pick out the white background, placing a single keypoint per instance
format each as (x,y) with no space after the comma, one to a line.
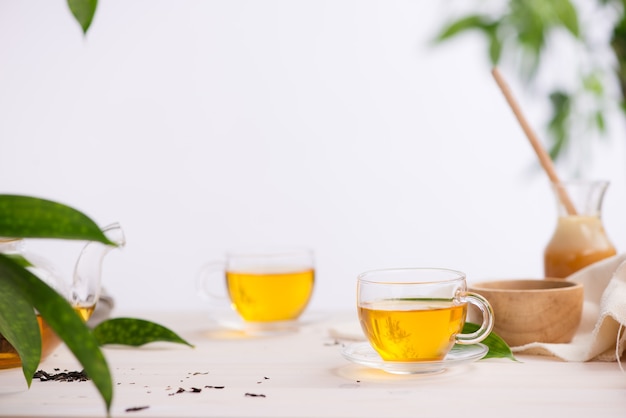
(205,125)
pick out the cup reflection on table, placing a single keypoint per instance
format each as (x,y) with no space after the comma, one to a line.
(264,285)
(417,314)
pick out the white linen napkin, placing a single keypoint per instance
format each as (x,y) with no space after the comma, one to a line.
(599,336)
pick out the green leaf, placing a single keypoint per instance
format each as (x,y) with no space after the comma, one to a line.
(593,84)
(497,347)
(599,121)
(567,15)
(83,11)
(528,23)
(473,22)
(60,316)
(18,322)
(559,142)
(31,217)
(495,49)
(134,332)
(558,124)
(19,259)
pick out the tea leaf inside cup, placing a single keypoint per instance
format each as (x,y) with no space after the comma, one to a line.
(497,347)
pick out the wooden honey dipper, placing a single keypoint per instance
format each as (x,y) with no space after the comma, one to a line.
(544,158)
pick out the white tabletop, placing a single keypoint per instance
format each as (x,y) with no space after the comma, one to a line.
(303,374)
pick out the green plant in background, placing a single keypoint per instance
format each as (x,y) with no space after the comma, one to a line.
(522,32)
(23,294)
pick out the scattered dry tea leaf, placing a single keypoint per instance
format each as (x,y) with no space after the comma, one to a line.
(136,408)
(192,390)
(66,376)
(180,390)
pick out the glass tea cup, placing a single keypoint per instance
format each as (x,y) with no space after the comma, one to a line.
(262,286)
(417,314)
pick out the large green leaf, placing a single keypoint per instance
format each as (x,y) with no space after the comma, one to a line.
(31,217)
(19,259)
(83,11)
(134,332)
(18,322)
(60,316)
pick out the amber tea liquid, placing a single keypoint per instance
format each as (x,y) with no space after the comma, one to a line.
(263,297)
(412,330)
(85,312)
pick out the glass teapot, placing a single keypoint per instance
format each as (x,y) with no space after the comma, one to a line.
(83,292)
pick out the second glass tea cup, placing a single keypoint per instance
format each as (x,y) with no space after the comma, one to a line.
(261,285)
(418,314)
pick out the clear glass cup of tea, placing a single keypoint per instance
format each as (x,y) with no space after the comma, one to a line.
(265,287)
(418,314)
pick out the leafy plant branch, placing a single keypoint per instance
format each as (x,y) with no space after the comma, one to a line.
(23,295)
(522,33)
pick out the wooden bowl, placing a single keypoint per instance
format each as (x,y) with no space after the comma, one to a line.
(534,310)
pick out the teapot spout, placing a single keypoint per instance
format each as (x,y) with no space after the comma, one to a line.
(85,290)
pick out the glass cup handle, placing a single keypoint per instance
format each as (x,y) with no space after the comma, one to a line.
(487,325)
(207,283)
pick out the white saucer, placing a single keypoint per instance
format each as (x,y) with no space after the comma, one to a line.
(231,321)
(365,355)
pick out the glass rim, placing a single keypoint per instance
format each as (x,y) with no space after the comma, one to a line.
(458,275)
(269,252)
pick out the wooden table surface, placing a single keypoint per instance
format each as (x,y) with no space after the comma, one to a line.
(303,374)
